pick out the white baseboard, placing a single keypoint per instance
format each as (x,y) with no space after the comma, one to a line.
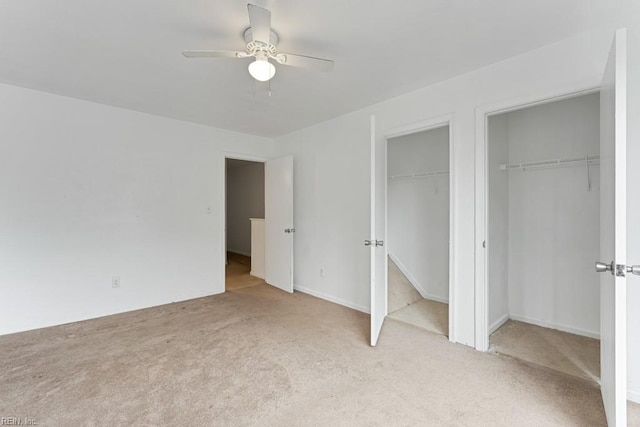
(106,313)
(254,274)
(233,251)
(496,325)
(416,284)
(434,298)
(563,328)
(633,396)
(330,298)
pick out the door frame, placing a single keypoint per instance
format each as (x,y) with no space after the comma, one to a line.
(481,197)
(409,129)
(223,202)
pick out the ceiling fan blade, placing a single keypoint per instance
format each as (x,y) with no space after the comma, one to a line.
(260,21)
(305,61)
(214,54)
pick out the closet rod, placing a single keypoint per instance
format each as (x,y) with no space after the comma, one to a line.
(566,162)
(417,175)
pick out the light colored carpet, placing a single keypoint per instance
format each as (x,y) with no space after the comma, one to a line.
(401,292)
(407,305)
(561,351)
(259,356)
(237,272)
(430,315)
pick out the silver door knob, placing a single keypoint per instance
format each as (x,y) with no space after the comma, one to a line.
(379,243)
(289,230)
(633,269)
(601,267)
(368,242)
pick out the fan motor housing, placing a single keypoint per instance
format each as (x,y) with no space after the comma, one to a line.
(255,46)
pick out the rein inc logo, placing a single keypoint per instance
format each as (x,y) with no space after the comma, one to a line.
(17,421)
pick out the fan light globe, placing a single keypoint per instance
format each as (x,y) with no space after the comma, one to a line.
(262,70)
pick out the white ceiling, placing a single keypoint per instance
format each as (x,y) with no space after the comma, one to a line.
(126,53)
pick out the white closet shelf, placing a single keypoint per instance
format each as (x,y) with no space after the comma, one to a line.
(417,175)
(553,163)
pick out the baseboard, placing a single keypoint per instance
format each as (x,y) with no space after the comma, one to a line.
(254,274)
(633,396)
(233,251)
(415,283)
(556,326)
(434,298)
(84,318)
(496,325)
(330,298)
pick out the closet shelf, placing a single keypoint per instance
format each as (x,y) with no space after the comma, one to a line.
(553,163)
(417,175)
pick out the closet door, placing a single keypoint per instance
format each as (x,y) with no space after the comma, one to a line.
(378,233)
(613,230)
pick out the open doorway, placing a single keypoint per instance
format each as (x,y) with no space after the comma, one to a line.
(418,228)
(245,224)
(543,222)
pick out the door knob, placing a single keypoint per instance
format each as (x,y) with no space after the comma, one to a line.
(368,242)
(601,267)
(633,269)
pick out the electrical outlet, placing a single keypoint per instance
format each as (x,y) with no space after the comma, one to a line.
(322,272)
(209,210)
(115,282)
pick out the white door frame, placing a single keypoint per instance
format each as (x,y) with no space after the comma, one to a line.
(481,197)
(223,202)
(416,127)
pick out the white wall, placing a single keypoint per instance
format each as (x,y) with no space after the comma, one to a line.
(332,163)
(418,210)
(332,158)
(331,209)
(553,219)
(90,192)
(498,222)
(245,199)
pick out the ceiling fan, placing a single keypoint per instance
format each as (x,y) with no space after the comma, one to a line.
(262,43)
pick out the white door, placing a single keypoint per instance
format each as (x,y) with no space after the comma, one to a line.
(378,233)
(278,223)
(613,229)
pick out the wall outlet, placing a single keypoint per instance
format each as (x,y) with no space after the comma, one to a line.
(322,272)
(209,210)
(115,282)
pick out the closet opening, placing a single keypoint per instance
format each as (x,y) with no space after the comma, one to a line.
(543,234)
(244,223)
(418,228)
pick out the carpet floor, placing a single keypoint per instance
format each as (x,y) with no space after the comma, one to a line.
(561,351)
(430,315)
(259,356)
(237,272)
